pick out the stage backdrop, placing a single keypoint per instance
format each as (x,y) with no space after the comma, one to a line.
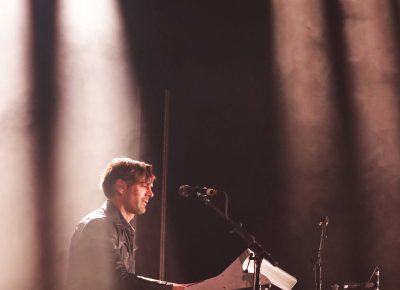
(290,107)
(293,109)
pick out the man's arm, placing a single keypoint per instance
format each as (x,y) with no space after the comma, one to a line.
(97,261)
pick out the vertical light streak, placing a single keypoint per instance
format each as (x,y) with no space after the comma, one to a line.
(17,213)
(374,61)
(98,117)
(303,67)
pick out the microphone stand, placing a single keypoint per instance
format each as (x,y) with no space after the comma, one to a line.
(236,227)
(318,260)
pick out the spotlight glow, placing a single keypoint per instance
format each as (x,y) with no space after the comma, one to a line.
(375,68)
(17,214)
(303,65)
(98,118)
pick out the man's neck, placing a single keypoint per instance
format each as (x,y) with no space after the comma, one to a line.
(125,214)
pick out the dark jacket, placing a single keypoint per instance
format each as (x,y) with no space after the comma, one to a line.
(102,254)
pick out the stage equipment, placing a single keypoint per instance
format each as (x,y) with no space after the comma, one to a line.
(318,259)
(372,283)
(259,259)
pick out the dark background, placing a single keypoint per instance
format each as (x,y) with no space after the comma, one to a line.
(224,127)
(225,132)
(228,129)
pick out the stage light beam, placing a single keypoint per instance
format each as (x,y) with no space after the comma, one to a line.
(17,212)
(99,114)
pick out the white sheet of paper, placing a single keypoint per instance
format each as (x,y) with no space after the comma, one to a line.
(275,275)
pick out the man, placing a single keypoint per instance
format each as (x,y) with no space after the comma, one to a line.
(102,247)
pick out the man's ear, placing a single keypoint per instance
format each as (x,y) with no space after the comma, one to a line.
(120,186)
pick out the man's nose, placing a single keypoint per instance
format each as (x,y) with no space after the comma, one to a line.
(150,193)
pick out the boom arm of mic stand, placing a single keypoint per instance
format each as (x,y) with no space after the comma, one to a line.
(236,227)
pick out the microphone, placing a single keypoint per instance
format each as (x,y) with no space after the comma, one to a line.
(324,221)
(187,190)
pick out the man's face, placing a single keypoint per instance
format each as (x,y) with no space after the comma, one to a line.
(138,195)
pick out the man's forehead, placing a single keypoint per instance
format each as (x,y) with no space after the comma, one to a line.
(146,180)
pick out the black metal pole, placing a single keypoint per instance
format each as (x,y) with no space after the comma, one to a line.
(318,260)
(235,227)
(256,279)
(163,213)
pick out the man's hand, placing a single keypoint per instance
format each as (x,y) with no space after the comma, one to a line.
(179,286)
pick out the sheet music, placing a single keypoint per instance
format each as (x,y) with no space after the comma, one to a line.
(235,277)
(276,275)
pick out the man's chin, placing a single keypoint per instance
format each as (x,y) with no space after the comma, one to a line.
(141,211)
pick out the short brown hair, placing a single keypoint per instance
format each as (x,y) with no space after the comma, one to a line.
(126,169)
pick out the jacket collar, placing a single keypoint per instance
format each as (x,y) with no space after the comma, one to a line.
(116,217)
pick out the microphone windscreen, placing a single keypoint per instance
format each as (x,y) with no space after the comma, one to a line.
(184,190)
